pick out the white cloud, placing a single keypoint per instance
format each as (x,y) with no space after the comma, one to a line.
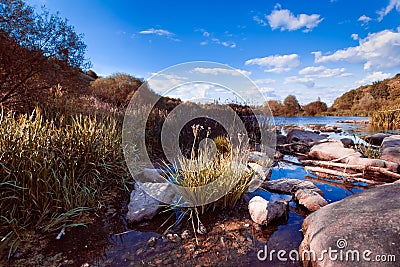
(323,72)
(276,63)
(209,39)
(216,71)
(364,19)
(354,36)
(264,81)
(308,82)
(373,77)
(160,32)
(377,51)
(284,19)
(260,21)
(224,43)
(384,11)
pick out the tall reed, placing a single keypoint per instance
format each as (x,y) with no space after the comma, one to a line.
(52,170)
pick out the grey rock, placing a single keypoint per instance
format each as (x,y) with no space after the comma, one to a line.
(263,212)
(332,150)
(303,136)
(281,139)
(376,139)
(143,206)
(310,199)
(366,221)
(347,142)
(290,186)
(390,149)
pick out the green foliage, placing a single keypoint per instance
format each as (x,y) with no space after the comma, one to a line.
(51,170)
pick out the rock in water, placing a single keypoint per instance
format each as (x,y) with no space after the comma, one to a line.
(310,199)
(303,136)
(142,206)
(332,150)
(390,149)
(347,142)
(263,212)
(289,186)
(369,221)
(376,139)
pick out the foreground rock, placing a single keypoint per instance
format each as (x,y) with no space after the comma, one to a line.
(289,186)
(310,199)
(334,150)
(390,149)
(367,221)
(376,139)
(142,206)
(264,212)
(305,193)
(303,136)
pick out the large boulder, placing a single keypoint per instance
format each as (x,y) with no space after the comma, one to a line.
(264,212)
(369,221)
(142,205)
(390,149)
(289,186)
(376,139)
(309,199)
(303,136)
(335,150)
(332,150)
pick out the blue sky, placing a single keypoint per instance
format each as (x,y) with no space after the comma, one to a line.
(309,48)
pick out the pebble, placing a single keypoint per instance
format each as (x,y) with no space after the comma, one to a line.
(152,241)
(202,229)
(186,234)
(173,237)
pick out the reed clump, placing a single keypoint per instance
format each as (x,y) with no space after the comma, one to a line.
(387,119)
(52,170)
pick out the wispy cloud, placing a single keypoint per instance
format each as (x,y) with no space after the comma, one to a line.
(373,77)
(209,39)
(364,20)
(307,82)
(160,32)
(216,71)
(276,63)
(393,4)
(323,72)
(377,51)
(260,21)
(284,19)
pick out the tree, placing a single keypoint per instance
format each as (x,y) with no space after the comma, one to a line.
(38,52)
(315,107)
(116,89)
(276,107)
(291,106)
